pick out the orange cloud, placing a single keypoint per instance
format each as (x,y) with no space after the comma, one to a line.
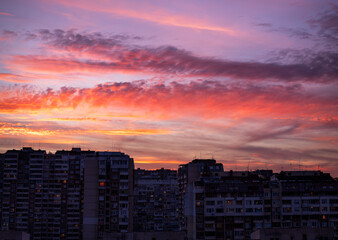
(132,132)
(70,119)
(152,160)
(204,99)
(56,141)
(20,129)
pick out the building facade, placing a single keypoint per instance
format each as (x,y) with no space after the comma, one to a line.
(115,192)
(23,202)
(188,174)
(232,205)
(50,196)
(156,201)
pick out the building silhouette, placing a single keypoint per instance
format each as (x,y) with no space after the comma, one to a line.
(67,195)
(99,195)
(221,204)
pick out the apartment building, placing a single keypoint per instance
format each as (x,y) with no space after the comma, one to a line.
(66,187)
(156,201)
(309,199)
(188,174)
(2,158)
(22,202)
(49,196)
(114,201)
(234,204)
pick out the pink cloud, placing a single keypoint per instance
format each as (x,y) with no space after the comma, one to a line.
(150,14)
(6,14)
(8,77)
(96,53)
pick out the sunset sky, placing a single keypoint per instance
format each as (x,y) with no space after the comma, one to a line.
(253,84)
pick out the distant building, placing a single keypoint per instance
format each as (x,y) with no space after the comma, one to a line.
(156,201)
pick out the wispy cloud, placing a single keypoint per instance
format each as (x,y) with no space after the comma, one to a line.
(150,14)
(21,129)
(8,77)
(6,14)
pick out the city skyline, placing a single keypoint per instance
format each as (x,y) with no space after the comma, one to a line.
(100,195)
(253,85)
(248,168)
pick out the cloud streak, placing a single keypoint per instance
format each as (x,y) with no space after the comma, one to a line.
(86,50)
(21,129)
(8,77)
(6,14)
(154,15)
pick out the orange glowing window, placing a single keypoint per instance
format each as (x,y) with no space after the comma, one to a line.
(101,184)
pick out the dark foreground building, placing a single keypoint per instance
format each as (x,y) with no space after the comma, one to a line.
(67,195)
(98,195)
(155,201)
(232,205)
